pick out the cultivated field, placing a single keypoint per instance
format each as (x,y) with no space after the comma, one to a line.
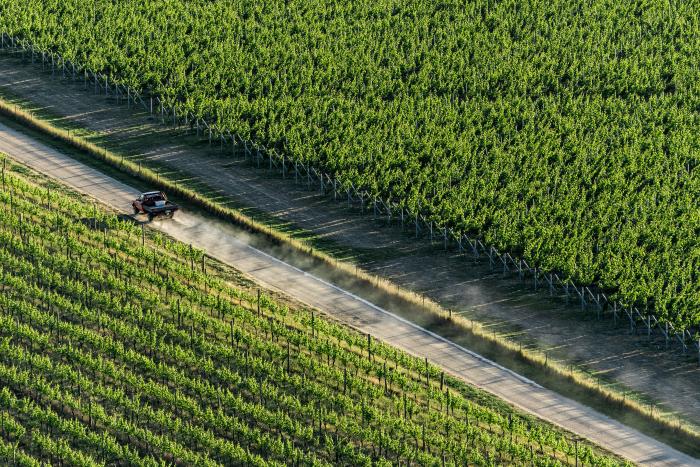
(619,359)
(562,132)
(124,349)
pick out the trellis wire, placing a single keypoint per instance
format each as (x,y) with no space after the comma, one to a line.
(173,114)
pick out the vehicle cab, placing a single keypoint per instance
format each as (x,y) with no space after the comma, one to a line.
(149,199)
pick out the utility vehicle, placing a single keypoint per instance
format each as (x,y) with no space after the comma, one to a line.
(154,204)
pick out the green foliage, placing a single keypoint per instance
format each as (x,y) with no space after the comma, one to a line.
(116,353)
(561,131)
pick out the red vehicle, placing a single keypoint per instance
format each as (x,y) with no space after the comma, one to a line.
(154,203)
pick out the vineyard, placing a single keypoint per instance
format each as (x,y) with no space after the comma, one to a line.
(562,132)
(122,347)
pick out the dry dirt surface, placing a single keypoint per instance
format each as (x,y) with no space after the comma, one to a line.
(569,334)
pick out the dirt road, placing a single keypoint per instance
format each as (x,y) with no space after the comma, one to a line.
(223,242)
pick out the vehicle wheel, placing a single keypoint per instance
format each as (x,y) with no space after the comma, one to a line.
(136,211)
(150,217)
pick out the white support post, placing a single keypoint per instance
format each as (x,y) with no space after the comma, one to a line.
(535,278)
(631,314)
(683,342)
(520,269)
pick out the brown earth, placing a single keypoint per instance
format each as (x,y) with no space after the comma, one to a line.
(630,361)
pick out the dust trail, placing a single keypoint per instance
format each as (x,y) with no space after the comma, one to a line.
(217,238)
